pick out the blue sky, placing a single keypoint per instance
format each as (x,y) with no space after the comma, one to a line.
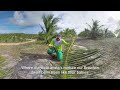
(28,21)
(6,25)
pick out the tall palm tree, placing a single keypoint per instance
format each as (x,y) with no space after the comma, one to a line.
(49,27)
(95,29)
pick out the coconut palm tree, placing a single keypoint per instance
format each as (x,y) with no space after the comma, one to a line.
(49,27)
(95,29)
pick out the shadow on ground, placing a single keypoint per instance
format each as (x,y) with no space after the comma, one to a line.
(34,56)
(32,60)
(37,56)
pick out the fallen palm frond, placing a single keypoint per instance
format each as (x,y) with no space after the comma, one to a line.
(76,57)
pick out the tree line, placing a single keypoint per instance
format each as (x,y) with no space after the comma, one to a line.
(50,29)
(94,31)
(16,37)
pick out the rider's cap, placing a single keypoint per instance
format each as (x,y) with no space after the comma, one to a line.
(58,35)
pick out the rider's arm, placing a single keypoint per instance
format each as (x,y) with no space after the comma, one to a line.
(51,43)
(65,43)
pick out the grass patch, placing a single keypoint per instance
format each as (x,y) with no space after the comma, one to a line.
(2,63)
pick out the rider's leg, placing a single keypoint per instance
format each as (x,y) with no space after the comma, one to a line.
(59,55)
(50,52)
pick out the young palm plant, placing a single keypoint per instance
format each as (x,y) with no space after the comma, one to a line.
(76,57)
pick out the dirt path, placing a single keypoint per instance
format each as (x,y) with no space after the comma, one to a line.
(31,40)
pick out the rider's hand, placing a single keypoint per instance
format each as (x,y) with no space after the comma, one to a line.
(50,47)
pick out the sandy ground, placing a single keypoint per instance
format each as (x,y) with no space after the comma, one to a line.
(31,40)
(109,63)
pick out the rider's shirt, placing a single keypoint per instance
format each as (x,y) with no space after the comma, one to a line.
(58,44)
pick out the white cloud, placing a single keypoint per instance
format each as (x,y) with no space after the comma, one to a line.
(27,18)
(78,19)
(70,19)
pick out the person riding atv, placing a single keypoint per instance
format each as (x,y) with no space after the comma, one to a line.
(56,47)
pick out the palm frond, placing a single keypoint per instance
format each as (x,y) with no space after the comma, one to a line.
(55,20)
(89,26)
(50,26)
(50,17)
(77,58)
(42,28)
(100,26)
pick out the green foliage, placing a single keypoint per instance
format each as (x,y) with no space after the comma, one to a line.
(76,57)
(118,32)
(49,29)
(40,36)
(94,31)
(85,33)
(2,63)
(109,34)
(16,37)
(68,32)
